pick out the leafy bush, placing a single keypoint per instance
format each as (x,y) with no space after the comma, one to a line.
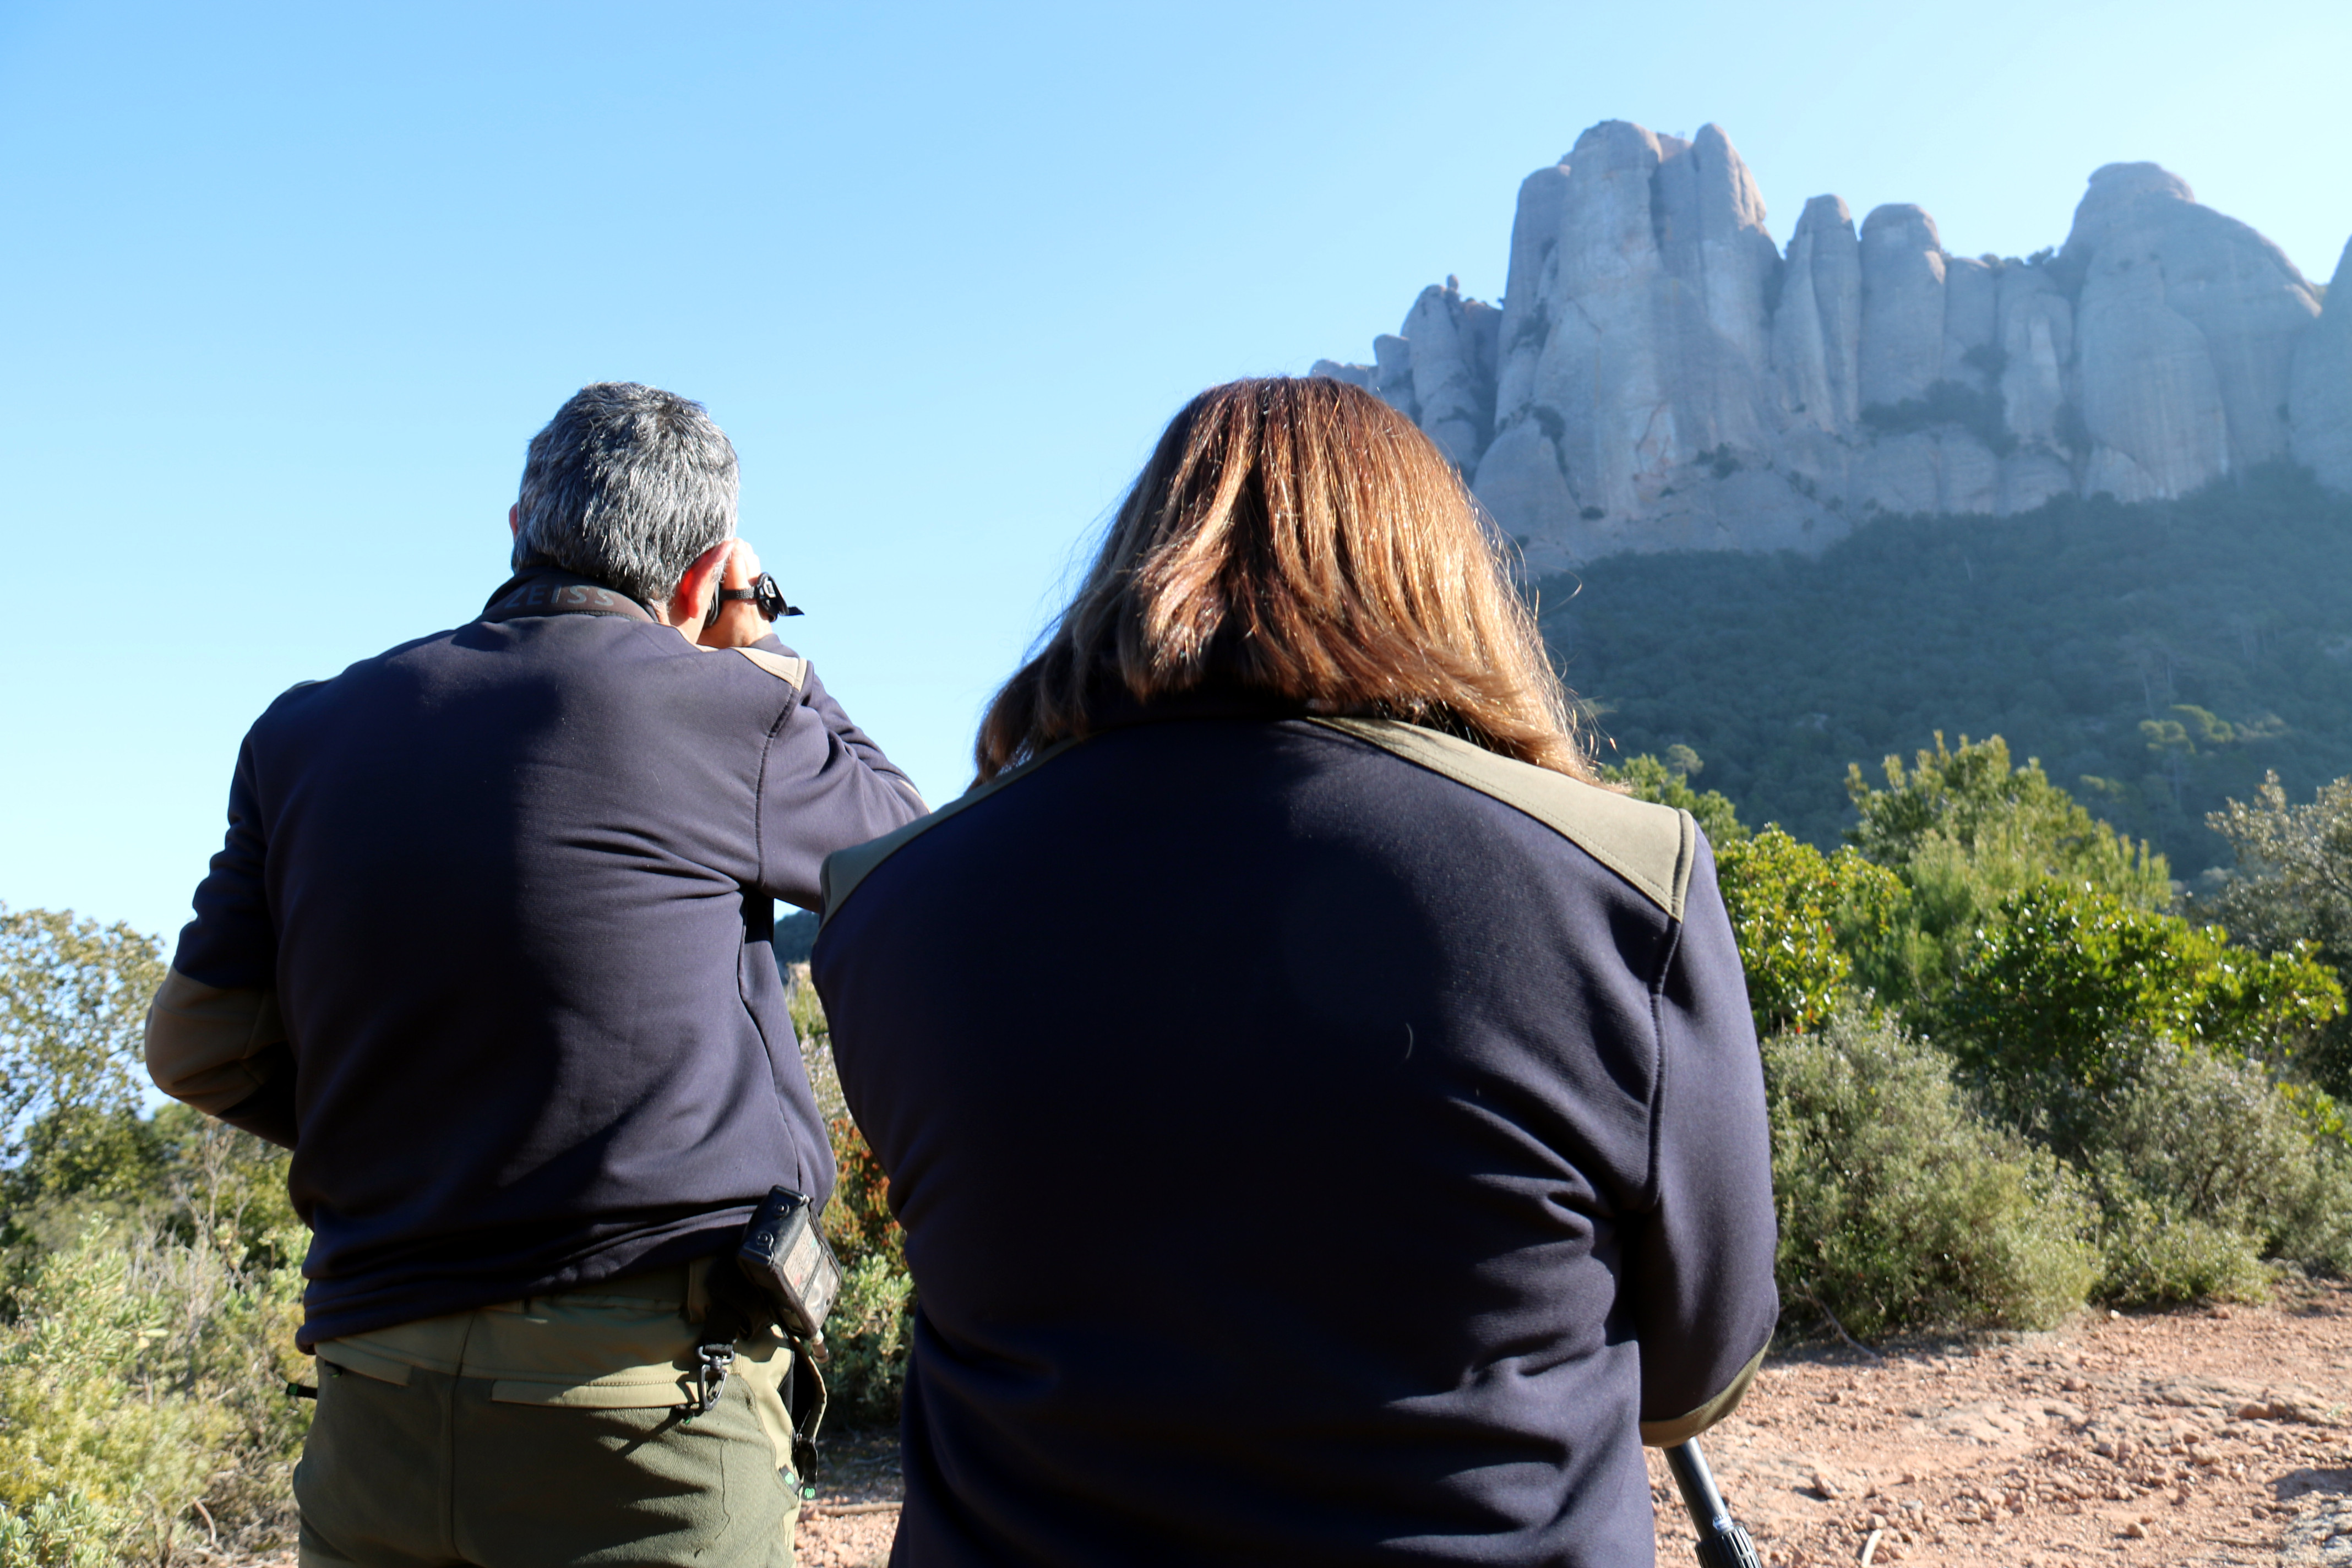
(1899,1207)
(1964,830)
(148,1294)
(871,1331)
(60,1532)
(2154,1256)
(871,1326)
(2204,1167)
(73,1009)
(2292,884)
(1798,916)
(2065,976)
(73,1424)
(142,1378)
(2011,821)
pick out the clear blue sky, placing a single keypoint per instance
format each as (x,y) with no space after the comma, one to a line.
(284,290)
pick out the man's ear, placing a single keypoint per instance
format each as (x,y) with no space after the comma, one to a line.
(514,519)
(699,589)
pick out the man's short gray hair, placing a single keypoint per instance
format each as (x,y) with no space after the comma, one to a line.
(628,484)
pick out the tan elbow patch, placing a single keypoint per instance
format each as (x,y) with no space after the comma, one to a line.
(205,1043)
(1682,1428)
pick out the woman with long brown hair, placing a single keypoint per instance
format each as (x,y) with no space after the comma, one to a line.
(1327,1126)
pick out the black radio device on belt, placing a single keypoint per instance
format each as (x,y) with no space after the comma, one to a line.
(784,1254)
(791,1271)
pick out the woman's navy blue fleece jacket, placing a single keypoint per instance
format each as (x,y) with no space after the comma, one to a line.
(1319,1142)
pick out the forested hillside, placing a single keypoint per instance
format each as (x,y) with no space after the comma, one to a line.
(2156,657)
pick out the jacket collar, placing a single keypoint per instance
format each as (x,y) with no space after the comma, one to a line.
(552,590)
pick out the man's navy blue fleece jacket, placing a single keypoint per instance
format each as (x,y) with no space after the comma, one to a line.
(487,946)
(1319,1142)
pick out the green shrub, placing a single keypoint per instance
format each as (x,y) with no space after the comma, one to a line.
(141,1373)
(2153,1256)
(1900,1207)
(2293,885)
(2204,1166)
(871,1326)
(63,1531)
(2064,977)
(148,1293)
(1964,830)
(870,1334)
(1798,916)
(92,1421)
(73,1009)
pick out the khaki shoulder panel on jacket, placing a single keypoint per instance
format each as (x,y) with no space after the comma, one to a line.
(792,672)
(844,869)
(1651,846)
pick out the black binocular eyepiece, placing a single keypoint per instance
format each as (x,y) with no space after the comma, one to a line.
(764,595)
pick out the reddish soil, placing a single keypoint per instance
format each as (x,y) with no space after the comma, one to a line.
(855,1511)
(2218,1435)
(2195,1437)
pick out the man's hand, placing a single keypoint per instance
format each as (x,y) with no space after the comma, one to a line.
(730,564)
(739,623)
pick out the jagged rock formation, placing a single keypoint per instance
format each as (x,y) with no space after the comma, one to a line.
(1661,375)
(2321,395)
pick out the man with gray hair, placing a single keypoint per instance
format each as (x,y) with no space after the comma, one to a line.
(488,947)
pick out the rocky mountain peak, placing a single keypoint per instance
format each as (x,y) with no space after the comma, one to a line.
(1663,375)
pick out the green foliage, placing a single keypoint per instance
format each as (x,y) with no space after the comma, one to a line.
(870,1331)
(1899,1207)
(2205,1166)
(1963,830)
(2061,629)
(2151,1255)
(2223,1140)
(2124,1066)
(1798,916)
(139,1376)
(1976,802)
(2293,885)
(871,1326)
(73,1009)
(73,1423)
(62,1530)
(2066,973)
(148,1293)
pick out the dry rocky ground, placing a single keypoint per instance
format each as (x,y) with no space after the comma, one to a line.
(2215,1435)
(2204,1436)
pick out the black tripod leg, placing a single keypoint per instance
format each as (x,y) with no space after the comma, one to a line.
(1721,1543)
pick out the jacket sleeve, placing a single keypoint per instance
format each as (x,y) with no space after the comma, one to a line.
(824,785)
(1698,1266)
(213,1035)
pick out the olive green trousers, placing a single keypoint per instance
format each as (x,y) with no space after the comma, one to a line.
(542,1433)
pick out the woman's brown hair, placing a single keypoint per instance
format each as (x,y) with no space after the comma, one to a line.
(1296,538)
